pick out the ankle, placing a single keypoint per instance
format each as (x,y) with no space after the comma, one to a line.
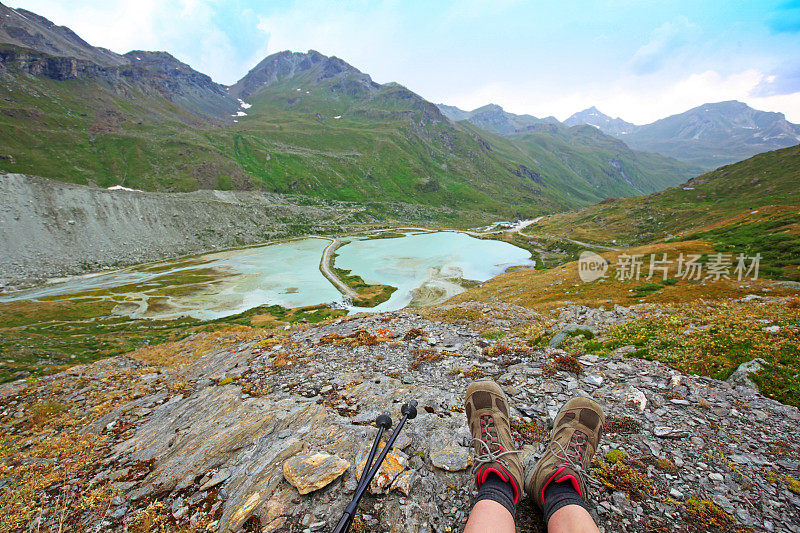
(558,494)
(495,488)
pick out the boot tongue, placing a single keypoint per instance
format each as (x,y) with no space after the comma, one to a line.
(576,449)
(489,434)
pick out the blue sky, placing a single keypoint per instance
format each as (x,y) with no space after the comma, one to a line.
(641,60)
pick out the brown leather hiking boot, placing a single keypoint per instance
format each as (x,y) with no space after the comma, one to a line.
(495,451)
(573,442)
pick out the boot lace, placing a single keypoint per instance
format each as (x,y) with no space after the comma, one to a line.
(573,454)
(491,450)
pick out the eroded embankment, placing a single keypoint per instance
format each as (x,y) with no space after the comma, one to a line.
(49,228)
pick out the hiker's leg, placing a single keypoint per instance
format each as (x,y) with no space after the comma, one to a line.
(489,516)
(571,519)
(565,510)
(498,470)
(556,482)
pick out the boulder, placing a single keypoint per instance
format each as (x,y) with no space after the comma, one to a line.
(741,376)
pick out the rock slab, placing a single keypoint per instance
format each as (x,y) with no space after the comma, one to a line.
(311,472)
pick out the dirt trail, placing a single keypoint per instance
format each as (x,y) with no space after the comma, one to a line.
(325,268)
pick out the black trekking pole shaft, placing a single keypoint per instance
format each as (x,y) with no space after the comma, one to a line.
(384,422)
(366,469)
(371,457)
(350,510)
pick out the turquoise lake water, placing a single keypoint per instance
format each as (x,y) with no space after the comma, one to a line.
(427,268)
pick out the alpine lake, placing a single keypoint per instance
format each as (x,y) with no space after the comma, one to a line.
(86,317)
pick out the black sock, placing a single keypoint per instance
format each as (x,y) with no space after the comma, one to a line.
(495,489)
(557,495)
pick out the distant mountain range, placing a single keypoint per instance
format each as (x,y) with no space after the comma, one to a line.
(707,136)
(494,119)
(297,122)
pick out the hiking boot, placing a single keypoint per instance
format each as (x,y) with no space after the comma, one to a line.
(486,407)
(573,442)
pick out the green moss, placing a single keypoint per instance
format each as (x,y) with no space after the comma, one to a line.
(616,456)
(705,515)
(587,333)
(623,477)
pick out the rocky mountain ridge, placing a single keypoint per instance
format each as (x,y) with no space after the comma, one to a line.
(707,136)
(27,29)
(312,65)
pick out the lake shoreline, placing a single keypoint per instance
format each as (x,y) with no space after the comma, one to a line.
(381,269)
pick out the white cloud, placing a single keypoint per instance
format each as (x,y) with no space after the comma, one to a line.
(664,43)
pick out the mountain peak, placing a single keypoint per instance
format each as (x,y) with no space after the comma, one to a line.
(594,117)
(493,108)
(312,66)
(716,133)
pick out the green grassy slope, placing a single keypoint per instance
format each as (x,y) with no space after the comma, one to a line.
(770,178)
(386,145)
(81,131)
(604,162)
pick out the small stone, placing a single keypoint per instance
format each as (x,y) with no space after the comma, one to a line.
(312,472)
(216,479)
(625,350)
(403,482)
(772,330)
(550,387)
(741,376)
(665,432)
(593,380)
(675,493)
(714,476)
(393,465)
(636,398)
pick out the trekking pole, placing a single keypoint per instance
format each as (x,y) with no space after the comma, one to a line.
(409,411)
(383,422)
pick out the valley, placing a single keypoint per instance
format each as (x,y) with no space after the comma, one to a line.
(209,291)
